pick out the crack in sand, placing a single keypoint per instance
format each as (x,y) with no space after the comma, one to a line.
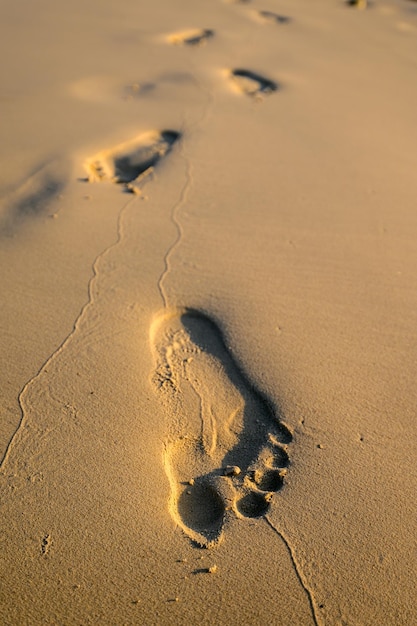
(177,224)
(183,196)
(21,397)
(300,576)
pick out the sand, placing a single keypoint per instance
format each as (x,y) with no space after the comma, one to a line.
(208,324)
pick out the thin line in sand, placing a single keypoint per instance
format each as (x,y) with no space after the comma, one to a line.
(174,219)
(300,576)
(184,192)
(61,347)
(152,155)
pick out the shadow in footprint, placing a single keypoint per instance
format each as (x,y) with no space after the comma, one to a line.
(253,505)
(259,420)
(33,197)
(280,458)
(253,84)
(269,480)
(234,442)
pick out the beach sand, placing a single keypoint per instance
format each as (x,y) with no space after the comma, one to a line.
(209,312)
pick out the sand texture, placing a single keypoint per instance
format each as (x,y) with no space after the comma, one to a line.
(208,249)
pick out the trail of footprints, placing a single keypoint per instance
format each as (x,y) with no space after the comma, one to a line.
(130,162)
(226,452)
(244,80)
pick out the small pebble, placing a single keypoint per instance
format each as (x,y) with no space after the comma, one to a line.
(212,569)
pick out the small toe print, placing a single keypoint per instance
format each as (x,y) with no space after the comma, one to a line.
(279,457)
(268,480)
(253,504)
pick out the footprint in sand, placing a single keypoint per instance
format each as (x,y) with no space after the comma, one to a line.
(359,4)
(226,450)
(131,161)
(191,37)
(270,16)
(252,84)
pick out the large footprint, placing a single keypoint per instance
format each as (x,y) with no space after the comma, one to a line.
(225,453)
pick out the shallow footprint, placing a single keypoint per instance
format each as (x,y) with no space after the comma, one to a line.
(191,37)
(252,84)
(359,4)
(225,448)
(270,16)
(129,161)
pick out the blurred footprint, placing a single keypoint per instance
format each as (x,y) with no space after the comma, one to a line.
(358,4)
(275,18)
(252,84)
(191,37)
